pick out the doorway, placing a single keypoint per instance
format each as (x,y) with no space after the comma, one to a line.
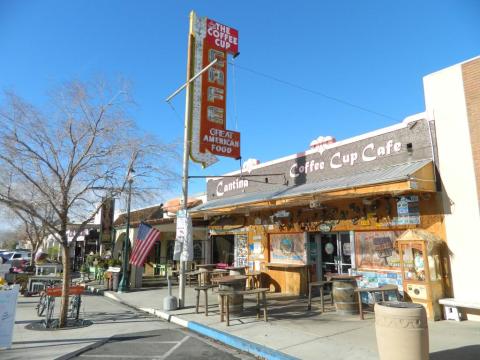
(223,249)
(330,252)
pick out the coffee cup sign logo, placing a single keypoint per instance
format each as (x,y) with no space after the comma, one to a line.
(222,37)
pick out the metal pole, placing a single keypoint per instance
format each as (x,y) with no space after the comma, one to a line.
(123,285)
(192,79)
(186,151)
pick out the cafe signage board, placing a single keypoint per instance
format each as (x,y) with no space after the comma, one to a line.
(209,136)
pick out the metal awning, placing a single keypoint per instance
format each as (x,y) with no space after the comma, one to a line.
(413,176)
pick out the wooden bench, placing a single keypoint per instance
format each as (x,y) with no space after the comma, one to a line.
(321,285)
(205,289)
(453,308)
(381,289)
(225,302)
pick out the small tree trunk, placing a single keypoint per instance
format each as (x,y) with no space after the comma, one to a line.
(65,286)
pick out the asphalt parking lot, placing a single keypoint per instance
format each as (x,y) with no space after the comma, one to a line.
(157,344)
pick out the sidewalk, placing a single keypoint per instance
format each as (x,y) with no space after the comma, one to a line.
(293,331)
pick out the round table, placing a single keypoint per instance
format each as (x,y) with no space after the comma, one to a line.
(233,283)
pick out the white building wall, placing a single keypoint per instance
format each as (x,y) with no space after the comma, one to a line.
(445,102)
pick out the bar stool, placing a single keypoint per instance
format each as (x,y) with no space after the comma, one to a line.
(321,285)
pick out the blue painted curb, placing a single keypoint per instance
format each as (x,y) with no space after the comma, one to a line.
(239,343)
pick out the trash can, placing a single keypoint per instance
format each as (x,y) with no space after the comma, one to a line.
(402,331)
(108,276)
(115,278)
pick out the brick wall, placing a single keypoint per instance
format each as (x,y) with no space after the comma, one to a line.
(471,83)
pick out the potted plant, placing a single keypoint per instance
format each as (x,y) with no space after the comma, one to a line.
(84,271)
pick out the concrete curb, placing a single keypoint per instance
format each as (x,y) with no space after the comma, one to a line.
(236,342)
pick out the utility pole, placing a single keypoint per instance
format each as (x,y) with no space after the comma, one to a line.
(191,76)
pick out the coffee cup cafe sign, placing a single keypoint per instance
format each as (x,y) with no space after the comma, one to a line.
(383,150)
(210,137)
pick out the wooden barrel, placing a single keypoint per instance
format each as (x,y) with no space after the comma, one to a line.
(344,296)
(236,301)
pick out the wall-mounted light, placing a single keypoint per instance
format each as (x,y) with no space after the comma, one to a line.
(410,148)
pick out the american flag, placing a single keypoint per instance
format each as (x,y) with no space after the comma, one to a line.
(146,238)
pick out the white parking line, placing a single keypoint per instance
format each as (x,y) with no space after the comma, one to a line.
(169,352)
(175,347)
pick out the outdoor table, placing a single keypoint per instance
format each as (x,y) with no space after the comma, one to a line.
(236,270)
(380,289)
(253,280)
(233,283)
(203,273)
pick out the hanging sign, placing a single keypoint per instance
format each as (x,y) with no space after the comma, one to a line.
(209,134)
(222,37)
(183,250)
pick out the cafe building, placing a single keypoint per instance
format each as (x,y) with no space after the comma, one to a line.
(340,207)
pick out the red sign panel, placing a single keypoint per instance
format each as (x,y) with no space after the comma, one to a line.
(222,37)
(214,137)
(222,142)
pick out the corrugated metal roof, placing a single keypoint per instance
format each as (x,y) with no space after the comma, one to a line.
(385,175)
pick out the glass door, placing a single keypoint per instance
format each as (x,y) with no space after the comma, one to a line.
(314,257)
(344,252)
(336,252)
(329,249)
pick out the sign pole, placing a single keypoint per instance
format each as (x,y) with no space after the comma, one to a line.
(186,152)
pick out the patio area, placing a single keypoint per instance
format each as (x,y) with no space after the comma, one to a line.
(305,334)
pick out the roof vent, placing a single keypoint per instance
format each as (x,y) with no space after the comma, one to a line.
(322,142)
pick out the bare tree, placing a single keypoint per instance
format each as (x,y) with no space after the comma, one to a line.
(33,230)
(72,155)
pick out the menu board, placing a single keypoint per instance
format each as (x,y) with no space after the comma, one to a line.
(288,248)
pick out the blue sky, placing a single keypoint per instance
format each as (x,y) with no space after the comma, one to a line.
(369,53)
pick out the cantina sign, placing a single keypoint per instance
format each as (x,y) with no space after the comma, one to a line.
(382,150)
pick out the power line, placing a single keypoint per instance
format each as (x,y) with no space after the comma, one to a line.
(315,92)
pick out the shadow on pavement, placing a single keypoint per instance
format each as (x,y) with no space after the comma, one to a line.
(471,352)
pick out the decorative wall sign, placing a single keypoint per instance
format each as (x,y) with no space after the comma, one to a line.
(241,250)
(329,248)
(408,212)
(374,250)
(324,227)
(288,248)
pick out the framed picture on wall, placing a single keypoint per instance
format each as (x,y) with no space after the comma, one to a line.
(375,250)
(288,248)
